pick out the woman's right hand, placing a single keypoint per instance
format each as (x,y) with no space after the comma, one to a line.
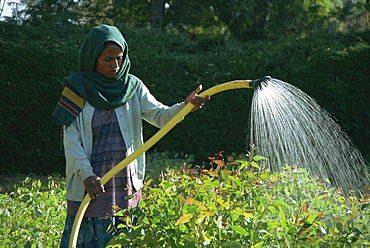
(93,186)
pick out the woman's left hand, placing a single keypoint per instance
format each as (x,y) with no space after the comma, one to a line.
(197,100)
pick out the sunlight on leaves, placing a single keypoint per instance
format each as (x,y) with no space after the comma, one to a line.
(189,200)
(265,175)
(255,165)
(258,158)
(185,218)
(258,245)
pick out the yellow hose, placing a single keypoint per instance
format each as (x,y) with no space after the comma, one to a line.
(237,84)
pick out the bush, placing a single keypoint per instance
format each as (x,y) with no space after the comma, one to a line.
(33,213)
(331,69)
(31,83)
(234,203)
(158,162)
(236,206)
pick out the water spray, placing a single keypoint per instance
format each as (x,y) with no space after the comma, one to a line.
(290,128)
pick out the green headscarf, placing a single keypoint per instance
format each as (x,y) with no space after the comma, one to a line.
(88,85)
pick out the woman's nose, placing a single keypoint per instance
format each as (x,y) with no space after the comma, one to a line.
(115,63)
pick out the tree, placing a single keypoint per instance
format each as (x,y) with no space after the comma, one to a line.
(157,13)
(52,12)
(239,19)
(187,15)
(245,19)
(2,5)
(256,19)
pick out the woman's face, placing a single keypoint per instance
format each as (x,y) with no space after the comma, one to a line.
(110,60)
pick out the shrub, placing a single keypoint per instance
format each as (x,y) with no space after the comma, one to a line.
(233,203)
(33,214)
(35,59)
(245,207)
(158,162)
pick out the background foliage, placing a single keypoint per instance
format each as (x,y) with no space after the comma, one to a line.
(238,19)
(333,69)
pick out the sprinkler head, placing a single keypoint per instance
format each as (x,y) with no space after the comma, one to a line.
(255,84)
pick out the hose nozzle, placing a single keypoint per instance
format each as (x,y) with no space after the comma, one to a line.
(255,84)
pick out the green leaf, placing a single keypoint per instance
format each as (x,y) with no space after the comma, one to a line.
(121,226)
(156,190)
(165,184)
(248,215)
(185,218)
(119,214)
(282,218)
(210,205)
(258,245)
(258,158)
(129,197)
(278,203)
(238,211)
(230,244)
(265,175)
(254,164)
(34,223)
(234,217)
(239,230)
(142,203)
(212,183)
(189,238)
(272,225)
(36,200)
(243,163)
(312,218)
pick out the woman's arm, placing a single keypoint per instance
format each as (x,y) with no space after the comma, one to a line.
(159,114)
(77,161)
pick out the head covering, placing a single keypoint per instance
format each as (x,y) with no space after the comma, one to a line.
(88,85)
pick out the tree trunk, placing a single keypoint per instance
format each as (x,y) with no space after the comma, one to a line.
(157,14)
(117,2)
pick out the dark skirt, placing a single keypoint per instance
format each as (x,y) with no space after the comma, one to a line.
(94,232)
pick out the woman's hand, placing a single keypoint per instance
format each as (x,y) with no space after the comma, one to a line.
(197,100)
(93,186)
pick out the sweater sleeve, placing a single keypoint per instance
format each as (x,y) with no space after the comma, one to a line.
(154,111)
(76,157)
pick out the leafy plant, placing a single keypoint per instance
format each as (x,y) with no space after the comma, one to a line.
(231,203)
(245,206)
(158,162)
(33,214)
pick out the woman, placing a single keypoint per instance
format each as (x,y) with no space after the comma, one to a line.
(101,110)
